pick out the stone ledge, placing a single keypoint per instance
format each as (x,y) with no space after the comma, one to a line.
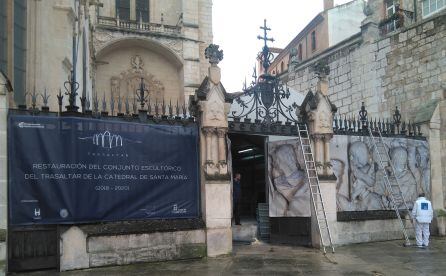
(142,227)
(366,215)
(122,257)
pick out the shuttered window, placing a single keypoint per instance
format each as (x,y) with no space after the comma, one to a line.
(142,10)
(123,9)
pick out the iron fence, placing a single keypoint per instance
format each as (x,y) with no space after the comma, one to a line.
(139,108)
(388,127)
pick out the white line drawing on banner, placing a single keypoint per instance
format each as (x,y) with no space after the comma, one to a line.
(28,125)
(108,140)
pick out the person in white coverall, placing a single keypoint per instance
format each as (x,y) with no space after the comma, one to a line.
(422,214)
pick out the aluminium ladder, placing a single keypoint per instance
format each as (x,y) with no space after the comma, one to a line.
(313,181)
(397,201)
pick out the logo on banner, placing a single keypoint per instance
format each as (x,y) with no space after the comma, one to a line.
(176,210)
(37,213)
(63,213)
(108,140)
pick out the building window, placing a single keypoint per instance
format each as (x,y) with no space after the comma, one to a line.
(19,50)
(299,52)
(3,39)
(133,10)
(142,10)
(433,6)
(390,11)
(282,67)
(313,40)
(123,9)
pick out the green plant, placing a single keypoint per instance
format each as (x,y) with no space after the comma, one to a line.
(440,212)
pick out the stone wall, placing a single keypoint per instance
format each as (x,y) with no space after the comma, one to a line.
(352,231)
(79,250)
(405,68)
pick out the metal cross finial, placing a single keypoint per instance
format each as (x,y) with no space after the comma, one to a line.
(265,34)
(266,56)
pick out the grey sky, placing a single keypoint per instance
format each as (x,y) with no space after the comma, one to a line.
(236,26)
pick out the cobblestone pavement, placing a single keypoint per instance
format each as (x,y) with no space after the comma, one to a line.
(381,258)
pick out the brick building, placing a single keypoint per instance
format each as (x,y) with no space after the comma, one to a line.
(326,29)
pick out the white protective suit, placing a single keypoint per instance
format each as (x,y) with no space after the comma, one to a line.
(422,214)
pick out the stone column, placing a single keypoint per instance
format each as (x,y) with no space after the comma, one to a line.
(4,105)
(215,182)
(327,161)
(320,115)
(222,152)
(318,152)
(208,132)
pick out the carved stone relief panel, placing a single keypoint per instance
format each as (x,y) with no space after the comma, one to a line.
(360,181)
(289,194)
(322,117)
(214,109)
(127,82)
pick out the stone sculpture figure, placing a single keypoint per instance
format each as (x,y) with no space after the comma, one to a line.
(288,180)
(363,178)
(343,202)
(398,156)
(422,172)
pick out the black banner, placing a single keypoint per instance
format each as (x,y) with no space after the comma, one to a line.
(71,170)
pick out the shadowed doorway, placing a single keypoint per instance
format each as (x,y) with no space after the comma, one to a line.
(248,158)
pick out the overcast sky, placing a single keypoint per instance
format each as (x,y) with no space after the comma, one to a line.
(236,26)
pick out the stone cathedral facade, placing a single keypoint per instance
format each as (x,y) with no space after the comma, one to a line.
(117,44)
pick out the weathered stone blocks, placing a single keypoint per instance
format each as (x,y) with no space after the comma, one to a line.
(80,251)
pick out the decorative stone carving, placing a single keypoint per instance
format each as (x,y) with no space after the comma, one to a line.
(213,108)
(318,111)
(213,54)
(214,113)
(126,83)
(137,63)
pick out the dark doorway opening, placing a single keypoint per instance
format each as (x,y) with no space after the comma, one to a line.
(248,158)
